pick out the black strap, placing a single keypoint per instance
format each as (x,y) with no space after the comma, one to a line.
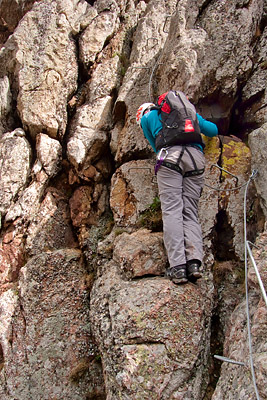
(176,168)
(192,158)
(173,166)
(180,156)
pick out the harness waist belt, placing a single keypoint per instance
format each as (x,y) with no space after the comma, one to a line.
(176,167)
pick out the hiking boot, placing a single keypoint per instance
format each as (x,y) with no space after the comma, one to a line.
(177,274)
(193,272)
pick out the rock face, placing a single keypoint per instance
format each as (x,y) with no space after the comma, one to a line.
(151,336)
(85,309)
(257,140)
(129,184)
(236,347)
(44,333)
(15,153)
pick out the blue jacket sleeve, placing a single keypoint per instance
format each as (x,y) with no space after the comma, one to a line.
(206,127)
(151,125)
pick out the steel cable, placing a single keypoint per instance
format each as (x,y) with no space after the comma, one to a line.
(246,284)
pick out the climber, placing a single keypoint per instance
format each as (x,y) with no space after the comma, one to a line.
(180,177)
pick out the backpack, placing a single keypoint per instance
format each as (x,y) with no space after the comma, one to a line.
(179,121)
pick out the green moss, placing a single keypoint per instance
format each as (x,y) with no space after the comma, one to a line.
(109,225)
(98,357)
(124,60)
(151,218)
(119,231)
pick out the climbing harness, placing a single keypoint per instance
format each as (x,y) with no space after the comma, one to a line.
(176,166)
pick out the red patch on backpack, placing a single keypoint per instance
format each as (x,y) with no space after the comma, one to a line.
(161,101)
(188,126)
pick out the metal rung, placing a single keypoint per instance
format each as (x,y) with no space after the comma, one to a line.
(140,67)
(221,358)
(147,168)
(154,39)
(139,168)
(224,170)
(165,23)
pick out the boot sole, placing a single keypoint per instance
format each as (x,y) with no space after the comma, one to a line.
(195,275)
(179,281)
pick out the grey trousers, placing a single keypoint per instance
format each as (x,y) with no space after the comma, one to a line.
(179,198)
